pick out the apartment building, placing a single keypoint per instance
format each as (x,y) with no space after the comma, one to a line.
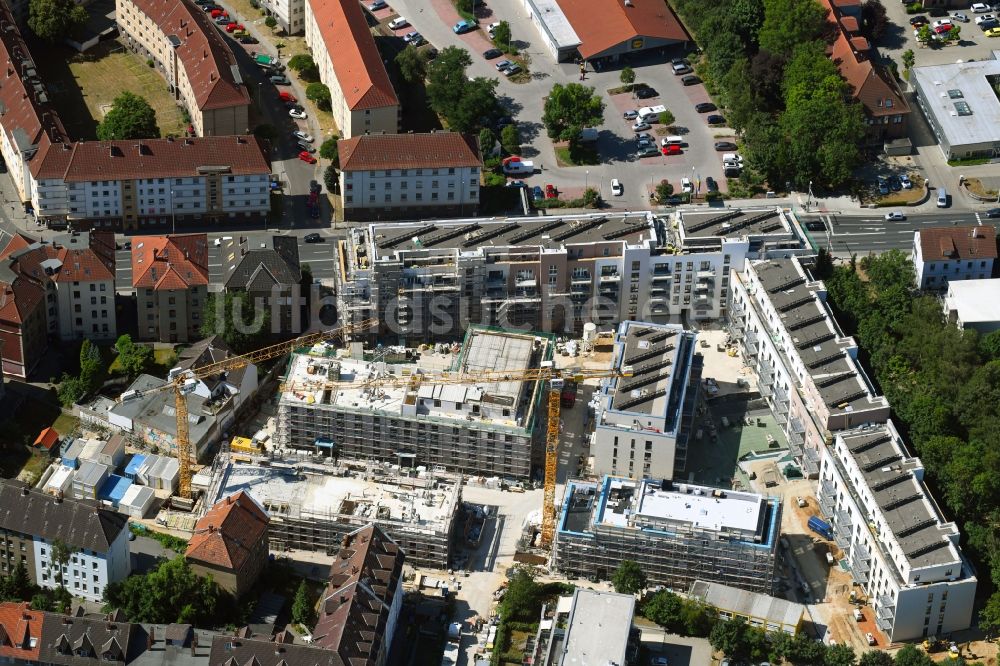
(678,533)
(270,277)
(31,521)
(359,610)
(643,421)
(974,305)
(290,14)
(154,182)
(901,550)
(170,279)
(494,429)
(427,281)
(314,504)
(806,368)
(589,627)
(230,543)
(190,52)
(363,100)
(384,176)
(949,254)
(23,321)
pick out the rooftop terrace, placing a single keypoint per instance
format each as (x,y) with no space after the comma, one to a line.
(732,223)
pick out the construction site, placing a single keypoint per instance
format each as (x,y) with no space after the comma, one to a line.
(677,533)
(341,404)
(313,503)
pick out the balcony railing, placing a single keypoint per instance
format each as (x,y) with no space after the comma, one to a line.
(883,624)
(844,521)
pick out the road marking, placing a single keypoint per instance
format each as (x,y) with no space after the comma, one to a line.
(979,220)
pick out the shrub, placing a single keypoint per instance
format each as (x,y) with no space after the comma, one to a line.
(149,62)
(666,118)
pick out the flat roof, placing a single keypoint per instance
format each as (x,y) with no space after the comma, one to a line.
(555,23)
(732,222)
(975,300)
(298,490)
(392,239)
(771,610)
(114,488)
(901,497)
(653,352)
(598,628)
(961,99)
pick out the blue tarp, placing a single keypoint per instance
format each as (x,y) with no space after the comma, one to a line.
(132,468)
(114,488)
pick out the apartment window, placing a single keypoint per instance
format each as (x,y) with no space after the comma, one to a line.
(451,196)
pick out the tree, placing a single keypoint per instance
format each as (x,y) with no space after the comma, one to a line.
(840,655)
(134,359)
(319,94)
(487,141)
(729,636)
(873,19)
(908,58)
(330,179)
(875,658)
(664,190)
(569,106)
(924,34)
(54,20)
(460,102)
(241,324)
(910,655)
(627,76)
(171,592)
(328,150)
(628,578)
(591,198)
(666,117)
(130,117)
(510,139)
(989,345)
(59,554)
(788,23)
(664,608)
(523,600)
(301,61)
(953,35)
(412,64)
(302,607)
(501,36)
(271,22)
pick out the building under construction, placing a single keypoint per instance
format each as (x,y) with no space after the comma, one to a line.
(337,406)
(313,504)
(677,533)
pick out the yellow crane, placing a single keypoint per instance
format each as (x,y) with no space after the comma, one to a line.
(183,382)
(555,377)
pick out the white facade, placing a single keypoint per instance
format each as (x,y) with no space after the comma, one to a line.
(290,14)
(900,549)
(974,305)
(935,272)
(88,572)
(410,188)
(86,310)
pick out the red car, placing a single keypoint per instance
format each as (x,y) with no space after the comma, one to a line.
(286,97)
(306,157)
(216,13)
(672,150)
(233,27)
(551,192)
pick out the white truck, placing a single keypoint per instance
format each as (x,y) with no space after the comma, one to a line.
(519,168)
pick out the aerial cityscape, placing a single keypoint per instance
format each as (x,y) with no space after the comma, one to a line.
(499,333)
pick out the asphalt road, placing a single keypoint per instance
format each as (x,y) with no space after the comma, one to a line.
(863,234)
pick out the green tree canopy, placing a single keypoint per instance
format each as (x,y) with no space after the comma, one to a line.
(875,658)
(320,94)
(462,103)
(412,64)
(241,324)
(510,139)
(627,75)
(330,178)
(729,637)
(302,606)
(130,117)
(911,655)
(628,578)
(501,36)
(788,23)
(271,22)
(134,359)
(301,61)
(571,106)
(523,601)
(171,592)
(328,150)
(54,20)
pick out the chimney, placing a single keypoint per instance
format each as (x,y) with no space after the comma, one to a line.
(25,491)
(211,529)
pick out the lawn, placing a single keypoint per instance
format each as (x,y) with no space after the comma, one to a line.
(83,87)
(65,424)
(585,155)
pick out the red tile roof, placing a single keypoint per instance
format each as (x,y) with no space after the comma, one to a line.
(954,243)
(408,151)
(870,86)
(161,158)
(603,24)
(76,257)
(226,535)
(356,61)
(47,439)
(850,24)
(19,297)
(17,242)
(170,262)
(20,632)
(202,52)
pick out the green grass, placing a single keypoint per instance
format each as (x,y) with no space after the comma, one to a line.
(168,541)
(970,161)
(65,424)
(585,156)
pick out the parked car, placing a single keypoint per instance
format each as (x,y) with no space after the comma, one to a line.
(616,187)
(287,97)
(302,136)
(716,120)
(492,28)
(377,5)
(690,80)
(725,145)
(918,21)
(894,184)
(711,184)
(940,23)
(960,17)
(705,107)
(233,27)
(992,212)
(686,185)
(515,183)
(895,216)
(312,238)
(649,151)
(398,22)
(640,126)
(870,638)
(681,68)
(645,136)
(280,80)
(551,192)
(503,64)
(992,32)
(989,25)
(883,186)
(511,70)
(645,92)
(490,54)
(306,157)
(463,27)
(537,194)
(414,38)
(295,113)
(248,39)
(905,181)
(672,149)
(979,8)
(631,114)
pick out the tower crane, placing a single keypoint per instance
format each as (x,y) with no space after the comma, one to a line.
(555,377)
(183,382)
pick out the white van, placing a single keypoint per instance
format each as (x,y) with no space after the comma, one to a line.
(942,198)
(651,113)
(673,141)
